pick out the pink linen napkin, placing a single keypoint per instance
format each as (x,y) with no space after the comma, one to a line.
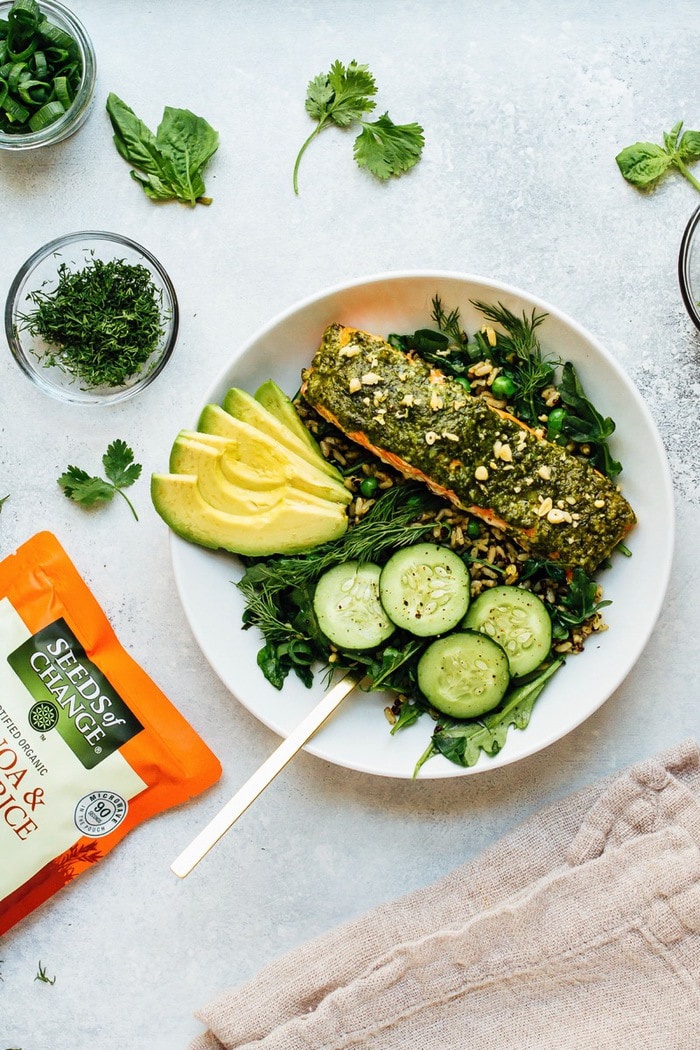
(579,930)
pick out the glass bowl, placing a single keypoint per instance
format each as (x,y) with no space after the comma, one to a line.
(76,114)
(41,275)
(689,268)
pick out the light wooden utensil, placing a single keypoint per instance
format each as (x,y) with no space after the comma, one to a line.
(235,807)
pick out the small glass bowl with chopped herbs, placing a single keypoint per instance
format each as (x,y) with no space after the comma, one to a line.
(92,318)
(47,73)
(689,267)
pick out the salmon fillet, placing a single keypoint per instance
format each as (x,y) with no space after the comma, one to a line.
(426,425)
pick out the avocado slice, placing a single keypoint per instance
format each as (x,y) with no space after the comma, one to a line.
(241,405)
(204,461)
(291,527)
(251,454)
(274,399)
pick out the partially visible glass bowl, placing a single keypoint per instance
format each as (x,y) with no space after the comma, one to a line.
(689,267)
(77,113)
(41,273)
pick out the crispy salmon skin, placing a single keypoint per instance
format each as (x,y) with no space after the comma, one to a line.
(425,424)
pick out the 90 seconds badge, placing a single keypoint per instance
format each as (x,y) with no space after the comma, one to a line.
(99,813)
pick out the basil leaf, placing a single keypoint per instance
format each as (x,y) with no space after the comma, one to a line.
(134,142)
(643,163)
(671,137)
(168,164)
(689,146)
(186,142)
(153,187)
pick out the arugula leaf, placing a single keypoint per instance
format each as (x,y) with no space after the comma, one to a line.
(342,97)
(645,163)
(463,742)
(169,164)
(584,424)
(87,489)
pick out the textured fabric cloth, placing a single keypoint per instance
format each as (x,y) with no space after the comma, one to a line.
(579,930)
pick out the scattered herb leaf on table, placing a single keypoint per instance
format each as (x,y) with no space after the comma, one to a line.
(645,163)
(342,97)
(119,466)
(169,164)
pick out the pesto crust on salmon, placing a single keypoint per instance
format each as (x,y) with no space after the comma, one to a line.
(425,424)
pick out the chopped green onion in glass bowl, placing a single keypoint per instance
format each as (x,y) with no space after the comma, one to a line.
(47,74)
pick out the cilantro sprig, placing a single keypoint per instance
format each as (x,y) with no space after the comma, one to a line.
(342,97)
(121,471)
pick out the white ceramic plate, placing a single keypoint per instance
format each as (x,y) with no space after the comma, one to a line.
(358,735)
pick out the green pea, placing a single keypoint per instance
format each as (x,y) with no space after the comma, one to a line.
(555,423)
(368,487)
(473,529)
(503,386)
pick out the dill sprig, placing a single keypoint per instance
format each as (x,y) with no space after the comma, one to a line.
(392,522)
(520,338)
(101,323)
(449,323)
(518,350)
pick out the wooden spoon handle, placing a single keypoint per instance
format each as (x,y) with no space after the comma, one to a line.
(236,806)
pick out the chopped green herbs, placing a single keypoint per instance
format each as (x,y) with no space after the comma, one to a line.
(645,163)
(101,323)
(119,466)
(342,97)
(40,70)
(169,164)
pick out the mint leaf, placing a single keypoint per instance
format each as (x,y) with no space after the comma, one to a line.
(387,149)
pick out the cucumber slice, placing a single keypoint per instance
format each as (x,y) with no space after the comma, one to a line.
(464,674)
(516,619)
(347,606)
(425,589)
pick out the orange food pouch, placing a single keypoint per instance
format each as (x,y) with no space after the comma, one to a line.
(89,745)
